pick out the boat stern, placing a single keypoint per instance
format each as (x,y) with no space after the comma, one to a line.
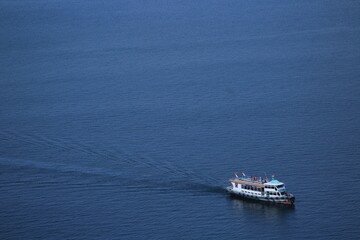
(229,189)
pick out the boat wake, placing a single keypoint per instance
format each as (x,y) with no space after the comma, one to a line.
(107,166)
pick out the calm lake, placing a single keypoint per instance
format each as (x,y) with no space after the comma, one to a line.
(125,119)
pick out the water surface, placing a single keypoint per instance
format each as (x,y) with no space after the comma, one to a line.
(124,119)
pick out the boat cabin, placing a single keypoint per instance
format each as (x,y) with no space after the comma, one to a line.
(258,187)
(275,188)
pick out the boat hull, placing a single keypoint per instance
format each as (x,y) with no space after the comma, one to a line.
(289,201)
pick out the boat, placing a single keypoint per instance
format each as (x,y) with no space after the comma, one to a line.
(260,189)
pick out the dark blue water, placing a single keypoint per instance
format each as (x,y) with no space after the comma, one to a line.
(124,119)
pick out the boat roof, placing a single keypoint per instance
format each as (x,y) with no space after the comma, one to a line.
(274,182)
(246,182)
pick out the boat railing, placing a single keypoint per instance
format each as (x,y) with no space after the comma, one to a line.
(254,179)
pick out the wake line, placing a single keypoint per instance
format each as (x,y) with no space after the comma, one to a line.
(117,180)
(130,161)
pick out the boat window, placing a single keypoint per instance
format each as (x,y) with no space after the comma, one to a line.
(280,186)
(236,185)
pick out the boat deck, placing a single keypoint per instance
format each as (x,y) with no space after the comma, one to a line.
(250,182)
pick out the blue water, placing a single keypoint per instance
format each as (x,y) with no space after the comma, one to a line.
(124,119)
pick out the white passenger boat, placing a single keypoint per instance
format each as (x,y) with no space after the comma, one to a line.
(260,189)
